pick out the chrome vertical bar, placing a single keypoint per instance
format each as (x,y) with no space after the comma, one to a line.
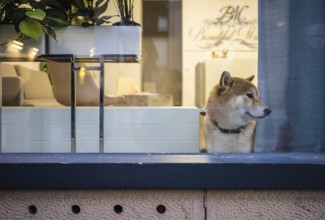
(0,108)
(73,106)
(1,126)
(101,105)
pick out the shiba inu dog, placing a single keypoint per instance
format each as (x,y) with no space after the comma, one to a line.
(232,110)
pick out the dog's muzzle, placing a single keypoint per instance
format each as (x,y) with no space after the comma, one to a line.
(266,112)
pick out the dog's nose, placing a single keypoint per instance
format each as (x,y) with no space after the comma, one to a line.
(267,111)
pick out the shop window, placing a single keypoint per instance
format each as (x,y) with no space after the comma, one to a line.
(155,104)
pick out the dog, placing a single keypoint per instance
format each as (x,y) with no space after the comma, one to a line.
(232,109)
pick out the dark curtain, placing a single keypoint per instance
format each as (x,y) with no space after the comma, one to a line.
(292,75)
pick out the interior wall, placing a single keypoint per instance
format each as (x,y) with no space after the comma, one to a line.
(162,48)
(215,26)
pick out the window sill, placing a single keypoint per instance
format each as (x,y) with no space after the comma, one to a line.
(163,171)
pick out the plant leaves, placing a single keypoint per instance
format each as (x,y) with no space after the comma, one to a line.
(83,12)
(85,24)
(61,5)
(56,22)
(50,31)
(20,2)
(37,4)
(104,19)
(18,15)
(100,10)
(31,28)
(17,27)
(108,17)
(38,14)
(3,3)
(78,4)
(55,18)
(55,13)
(98,2)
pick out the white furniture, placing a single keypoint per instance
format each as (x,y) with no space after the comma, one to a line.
(23,86)
(126,129)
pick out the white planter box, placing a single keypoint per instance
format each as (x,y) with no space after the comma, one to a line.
(97,40)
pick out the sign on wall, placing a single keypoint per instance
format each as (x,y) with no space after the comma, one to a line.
(220,25)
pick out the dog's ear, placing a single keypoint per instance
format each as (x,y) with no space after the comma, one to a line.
(250,78)
(225,82)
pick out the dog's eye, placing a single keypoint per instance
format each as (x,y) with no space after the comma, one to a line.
(249,95)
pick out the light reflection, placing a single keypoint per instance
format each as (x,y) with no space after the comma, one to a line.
(17,44)
(92,52)
(34,51)
(82,74)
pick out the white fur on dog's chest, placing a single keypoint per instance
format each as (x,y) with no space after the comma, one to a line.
(217,141)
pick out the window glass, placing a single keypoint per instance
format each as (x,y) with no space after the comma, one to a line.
(156,79)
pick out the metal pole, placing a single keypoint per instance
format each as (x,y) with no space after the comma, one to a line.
(0,110)
(73,106)
(101,105)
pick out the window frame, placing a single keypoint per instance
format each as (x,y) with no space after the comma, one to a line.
(162,171)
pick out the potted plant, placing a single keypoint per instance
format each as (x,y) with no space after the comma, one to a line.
(30,19)
(65,21)
(89,34)
(125,9)
(89,12)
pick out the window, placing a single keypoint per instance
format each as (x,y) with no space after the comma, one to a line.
(180,41)
(153,106)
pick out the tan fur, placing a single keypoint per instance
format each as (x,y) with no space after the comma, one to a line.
(233,103)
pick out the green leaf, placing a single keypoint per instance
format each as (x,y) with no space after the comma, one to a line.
(82,12)
(37,4)
(31,28)
(2,3)
(104,19)
(100,10)
(79,4)
(98,2)
(56,22)
(55,13)
(38,14)
(49,31)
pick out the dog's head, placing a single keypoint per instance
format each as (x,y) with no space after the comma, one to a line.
(238,96)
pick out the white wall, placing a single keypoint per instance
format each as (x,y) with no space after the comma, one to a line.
(201,32)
